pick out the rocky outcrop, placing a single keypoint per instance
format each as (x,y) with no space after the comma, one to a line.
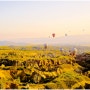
(84,60)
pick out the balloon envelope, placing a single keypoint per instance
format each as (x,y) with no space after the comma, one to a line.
(65,34)
(53,35)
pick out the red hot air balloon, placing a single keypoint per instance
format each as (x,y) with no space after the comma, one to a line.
(53,35)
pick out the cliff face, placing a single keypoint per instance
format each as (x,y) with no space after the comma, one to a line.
(84,60)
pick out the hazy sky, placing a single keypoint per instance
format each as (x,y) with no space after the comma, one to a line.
(34,19)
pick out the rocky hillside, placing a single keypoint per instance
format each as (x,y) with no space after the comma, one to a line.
(43,69)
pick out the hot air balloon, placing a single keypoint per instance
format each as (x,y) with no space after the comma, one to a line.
(45,46)
(53,35)
(65,34)
(83,30)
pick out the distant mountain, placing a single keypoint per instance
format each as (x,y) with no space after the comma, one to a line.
(6,43)
(67,40)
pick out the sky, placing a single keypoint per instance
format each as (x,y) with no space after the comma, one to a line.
(37,19)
